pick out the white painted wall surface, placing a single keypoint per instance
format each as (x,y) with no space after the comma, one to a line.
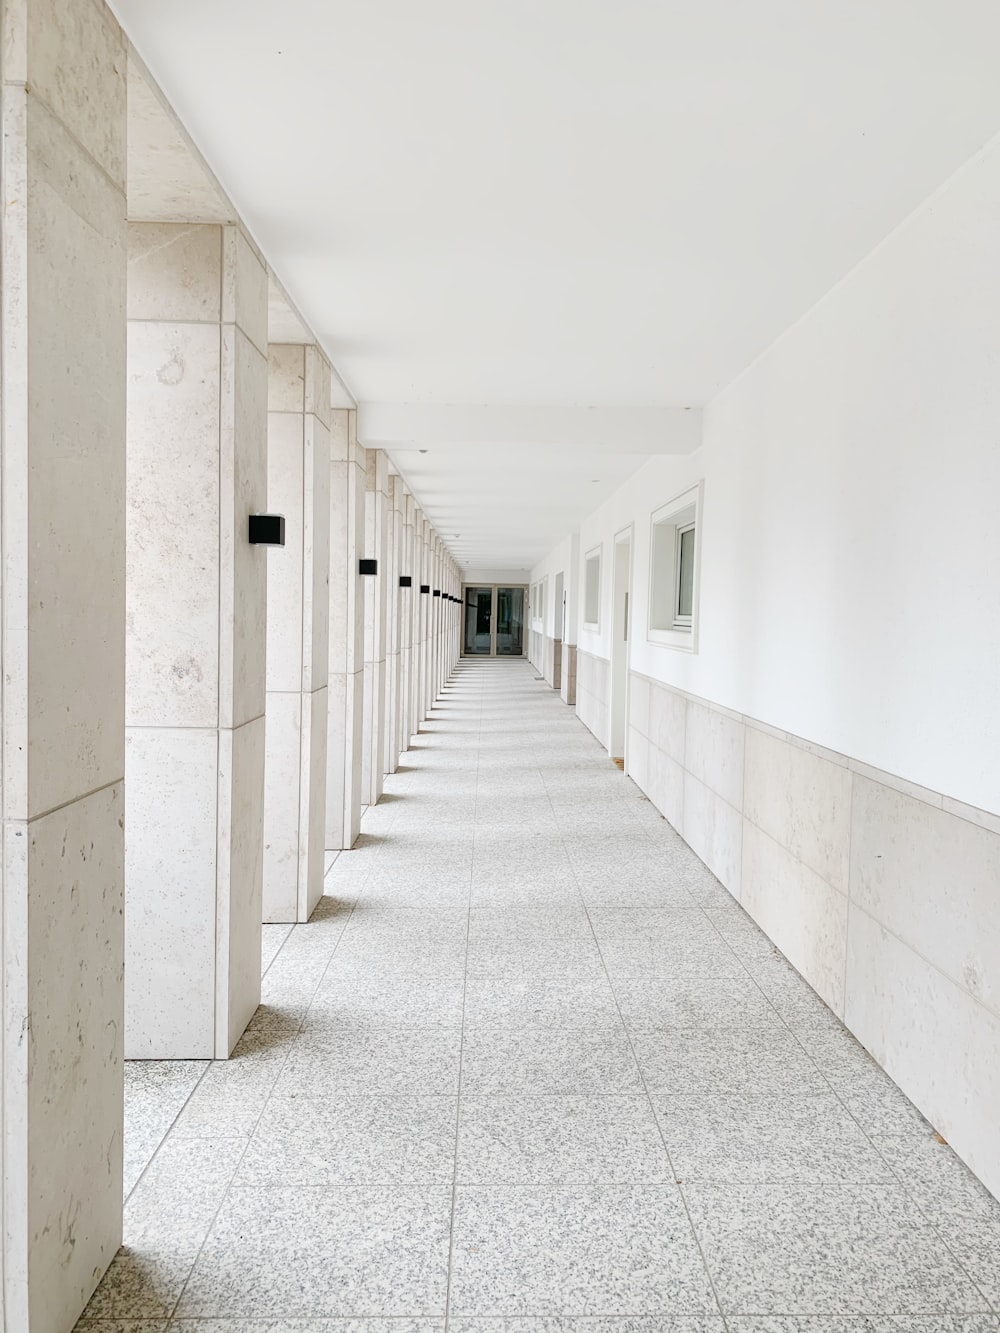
(850,543)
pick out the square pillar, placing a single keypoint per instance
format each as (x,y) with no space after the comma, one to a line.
(62,707)
(346,655)
(298,628)
(393,603)
(374,590)
(409,605)
(195,644)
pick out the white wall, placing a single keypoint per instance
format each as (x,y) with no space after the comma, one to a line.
(850,542)
(830,749)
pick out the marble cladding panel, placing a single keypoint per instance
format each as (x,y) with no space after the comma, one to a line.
(879,893)
(802,801)
(241,847)
(316,555)
(282,758)
(71,420)
(355,626)
(313,796)
(341,564)
(286,378)
(666,789)
(170,871)
(638,703)
(343,791)
(936,1042)
(243,587)
(338,758)
(244,287)
(934,881)
(804,915)
(714,829)
(713,751)
(353,787)
(284,565)
(668,723)
(74,957)
(174,272)
(73,58)
(317,385)
(172,529)
(568,690)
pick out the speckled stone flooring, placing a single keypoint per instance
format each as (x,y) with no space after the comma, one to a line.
(530,1063)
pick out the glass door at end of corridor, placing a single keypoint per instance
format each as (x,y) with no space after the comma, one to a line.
(510,622)
(494,621)
(477,641)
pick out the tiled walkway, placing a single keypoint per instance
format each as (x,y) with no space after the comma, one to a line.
(531,1060)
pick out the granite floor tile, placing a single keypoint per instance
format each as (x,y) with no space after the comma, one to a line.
(564,1140)
(140,1284)
(689,1001)
(382,1061)
(753,1060)
(313,1252)
(355,1140)
(547,1061)
(155,1093)
(610,1324)
(350,996)
(829,1249)
(739,1139)
(558,1001)
(584,1250)
(446,1032)
(641,956)
(976,1323)
(239,1324)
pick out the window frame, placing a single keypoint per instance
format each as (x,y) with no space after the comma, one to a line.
(595,553)
(666,624)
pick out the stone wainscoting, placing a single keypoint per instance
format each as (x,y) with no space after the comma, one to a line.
(884,895)
(567,678)
(593,692)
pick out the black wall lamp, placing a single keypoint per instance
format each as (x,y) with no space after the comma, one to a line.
(437,592)
(405,581)
(367,566)
(267,529)
(425,587)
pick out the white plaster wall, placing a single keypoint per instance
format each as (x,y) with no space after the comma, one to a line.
(849,630)
(848,528)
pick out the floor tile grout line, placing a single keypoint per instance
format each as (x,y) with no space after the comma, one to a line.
(659,1130)
(461,1044)
(166,1134)
(265,1104)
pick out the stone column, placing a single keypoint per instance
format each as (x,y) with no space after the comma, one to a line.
(409,599)
(426,620)
(62,591)
(298,627)
(195,644)
(348,466)
(393,635)
(374,588)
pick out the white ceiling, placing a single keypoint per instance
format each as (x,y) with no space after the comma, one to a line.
(564,203)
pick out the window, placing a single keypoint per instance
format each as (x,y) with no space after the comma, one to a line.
(673,573)
(592,588)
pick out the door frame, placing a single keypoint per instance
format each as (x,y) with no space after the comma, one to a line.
(494,590)
(622,615)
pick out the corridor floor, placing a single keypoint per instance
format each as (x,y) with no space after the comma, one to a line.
(530,1060)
